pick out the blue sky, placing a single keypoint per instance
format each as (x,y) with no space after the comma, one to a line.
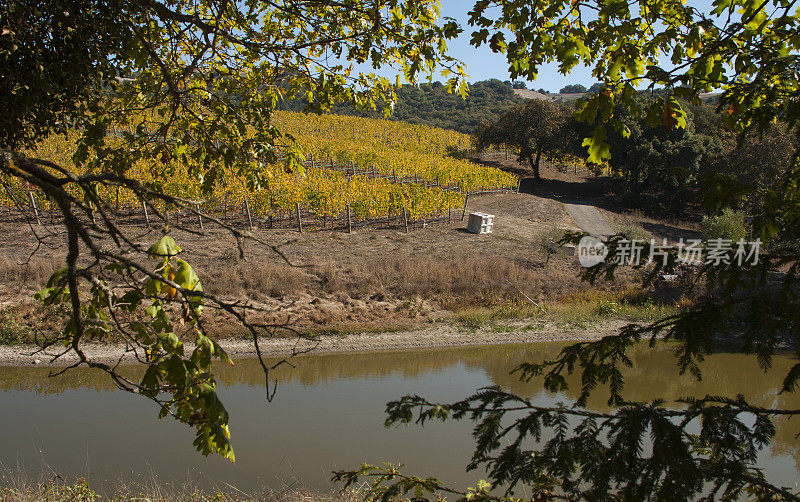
(482,64)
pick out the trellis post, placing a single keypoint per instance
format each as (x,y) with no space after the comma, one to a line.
(33,205)
(146,214)
(299,221)
(249,217)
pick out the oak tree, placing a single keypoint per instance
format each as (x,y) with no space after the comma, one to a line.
(179,86)
(532,129)
(700,447)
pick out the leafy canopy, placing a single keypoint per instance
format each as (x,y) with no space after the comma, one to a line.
(531,128)
(699,447)
(745,48)
(181,86)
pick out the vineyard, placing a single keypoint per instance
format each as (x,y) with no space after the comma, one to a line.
(357,170)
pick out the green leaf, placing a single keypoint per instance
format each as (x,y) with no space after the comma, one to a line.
(597,146)
(150,380)
(171,343)
(185,276)
(153,287)
(57,277)
(165,247)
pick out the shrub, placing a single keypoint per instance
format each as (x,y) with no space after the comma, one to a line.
(634,232)
(606,308)
(728,225)
(547,241)
(12,332)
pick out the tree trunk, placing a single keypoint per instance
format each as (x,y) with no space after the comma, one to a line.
(635,175)
(535,164)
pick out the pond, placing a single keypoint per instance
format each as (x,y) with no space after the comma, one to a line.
(328,414)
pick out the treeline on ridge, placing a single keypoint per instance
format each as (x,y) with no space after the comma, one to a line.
(431,105)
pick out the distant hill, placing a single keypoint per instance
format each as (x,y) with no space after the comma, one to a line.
(432,105)
(707,97)
(558,97)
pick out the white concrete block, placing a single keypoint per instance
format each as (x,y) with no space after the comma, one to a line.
(480,223)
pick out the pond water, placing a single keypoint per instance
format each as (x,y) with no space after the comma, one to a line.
(328,414)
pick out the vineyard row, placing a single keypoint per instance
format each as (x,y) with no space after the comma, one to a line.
(403,214)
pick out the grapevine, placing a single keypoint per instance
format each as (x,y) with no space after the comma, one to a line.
(376,167)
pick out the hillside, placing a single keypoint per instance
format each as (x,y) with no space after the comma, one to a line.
(356,169)
(555,96)
(432,105)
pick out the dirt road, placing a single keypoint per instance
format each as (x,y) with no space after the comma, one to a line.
(589,219)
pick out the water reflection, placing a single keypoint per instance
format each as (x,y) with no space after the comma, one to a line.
(328,414)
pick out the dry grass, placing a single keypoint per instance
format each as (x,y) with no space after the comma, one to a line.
(459,282)
(33,273)
(251,279)
(373,279)
(17,488)
(472,290)
(452,282)
(479,317)
(581,309)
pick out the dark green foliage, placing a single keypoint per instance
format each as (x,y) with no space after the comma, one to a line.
(749,171)
(534,128)
(704,157)
(729,224)
(433,105)
(597,456)
(702,448)
(573,89)
(665,161)
(51,55)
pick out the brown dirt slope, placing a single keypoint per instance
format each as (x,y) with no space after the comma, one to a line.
(375,278)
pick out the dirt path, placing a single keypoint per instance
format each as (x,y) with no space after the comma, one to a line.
(437,335)
(589,219)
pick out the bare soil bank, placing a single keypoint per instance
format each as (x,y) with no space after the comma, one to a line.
(376,279)
(436,335)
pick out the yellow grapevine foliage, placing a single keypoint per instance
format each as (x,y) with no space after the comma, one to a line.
(392,148)
(386,148)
